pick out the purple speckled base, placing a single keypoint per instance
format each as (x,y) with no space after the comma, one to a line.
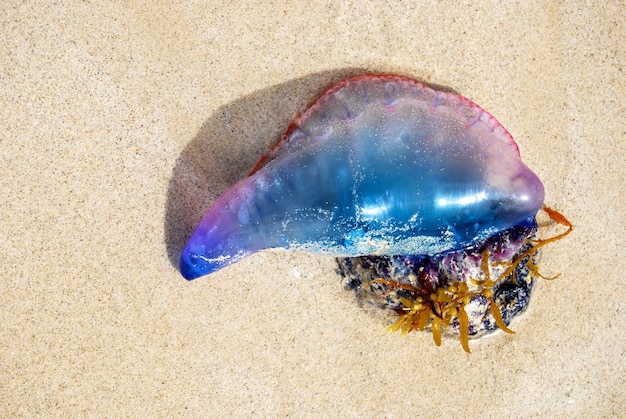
(429,273)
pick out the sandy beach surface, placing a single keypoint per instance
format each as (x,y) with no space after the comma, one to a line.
(121,122)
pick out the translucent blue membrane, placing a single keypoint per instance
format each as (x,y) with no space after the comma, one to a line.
(379,166)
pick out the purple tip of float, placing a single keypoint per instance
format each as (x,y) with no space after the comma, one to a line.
(224,236)
(192,266)
(213,245)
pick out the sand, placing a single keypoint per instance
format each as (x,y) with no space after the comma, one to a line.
(120,123)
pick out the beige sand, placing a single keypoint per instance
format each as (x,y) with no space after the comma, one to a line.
(120,123)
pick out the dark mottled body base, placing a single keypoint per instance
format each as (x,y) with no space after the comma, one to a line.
(429,273)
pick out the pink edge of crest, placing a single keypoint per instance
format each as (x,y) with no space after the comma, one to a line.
(267,156)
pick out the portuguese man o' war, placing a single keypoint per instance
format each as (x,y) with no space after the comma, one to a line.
(421,195)
(378,166)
